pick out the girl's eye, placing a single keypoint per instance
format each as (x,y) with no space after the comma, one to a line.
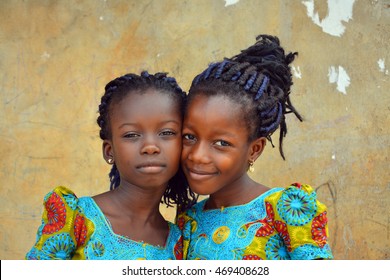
(222,143)
(131,135)
(167,133)
(189,137)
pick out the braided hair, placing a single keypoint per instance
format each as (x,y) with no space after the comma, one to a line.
(178,191)
(259,79)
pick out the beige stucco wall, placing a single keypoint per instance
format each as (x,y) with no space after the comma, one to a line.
(57,56)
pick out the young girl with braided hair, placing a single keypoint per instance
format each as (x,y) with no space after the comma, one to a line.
(140,119)
(233,107)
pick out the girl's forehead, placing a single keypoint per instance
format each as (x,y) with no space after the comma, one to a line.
(212,117)
(219,109)
(218,104)
(146,98)
(142,105)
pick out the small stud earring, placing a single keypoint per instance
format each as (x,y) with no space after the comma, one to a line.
(251,168)
(110,161)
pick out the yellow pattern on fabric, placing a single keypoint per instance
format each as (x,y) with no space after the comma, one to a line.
(299,235)
(221,234)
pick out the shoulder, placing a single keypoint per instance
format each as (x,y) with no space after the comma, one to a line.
(63,196)
(301,221)
(61,206)
(295,190)
(60,195)
(63,226)
(296,204)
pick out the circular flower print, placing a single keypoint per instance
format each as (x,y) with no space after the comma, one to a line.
(98,248)
(59,246)
(275,249)
(296,207)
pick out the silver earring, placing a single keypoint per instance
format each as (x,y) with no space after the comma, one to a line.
(110,161)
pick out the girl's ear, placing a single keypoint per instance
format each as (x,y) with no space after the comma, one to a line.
(107,150)
(256,148)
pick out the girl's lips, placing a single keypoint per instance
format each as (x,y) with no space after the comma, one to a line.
(151,167)
(199,174)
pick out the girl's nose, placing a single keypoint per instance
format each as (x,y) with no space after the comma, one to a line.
(150,149)
(199,153)
(150,146)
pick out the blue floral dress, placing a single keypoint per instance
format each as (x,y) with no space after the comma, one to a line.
(281,224)
(76,228)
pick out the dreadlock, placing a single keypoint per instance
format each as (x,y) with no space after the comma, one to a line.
(116,90)
(259,79)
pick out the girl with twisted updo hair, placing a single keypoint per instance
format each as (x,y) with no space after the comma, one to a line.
(234,106)
(140,120)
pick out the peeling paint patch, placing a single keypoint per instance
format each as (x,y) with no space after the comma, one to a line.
(231,2)
(382,67)
(381,64)
(296,72)
(338,12)
(340,77)
(45,56)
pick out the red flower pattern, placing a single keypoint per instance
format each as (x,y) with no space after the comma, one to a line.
(251,257)
(80,230)
(270,212)
(318,231)
(299,186)
(268,222)
(265,230)
(56,214)
(180,223)
(178,249)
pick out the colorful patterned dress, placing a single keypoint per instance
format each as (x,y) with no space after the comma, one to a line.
(76,228)
(282,223)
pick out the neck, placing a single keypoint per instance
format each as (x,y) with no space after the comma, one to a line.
(240,192)
(138,203)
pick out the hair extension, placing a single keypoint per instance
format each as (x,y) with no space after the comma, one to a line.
(178,191)
(251,81)
(259,79)
(264,83)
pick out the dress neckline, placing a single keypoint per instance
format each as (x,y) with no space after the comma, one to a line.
(202,204)
(107,223)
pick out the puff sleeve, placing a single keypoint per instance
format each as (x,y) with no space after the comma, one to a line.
(301,220)
(64,229)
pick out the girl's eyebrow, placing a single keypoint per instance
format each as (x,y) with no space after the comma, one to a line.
(127,124)
(224,133)
(160,123)
(169,121)
(216,132)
